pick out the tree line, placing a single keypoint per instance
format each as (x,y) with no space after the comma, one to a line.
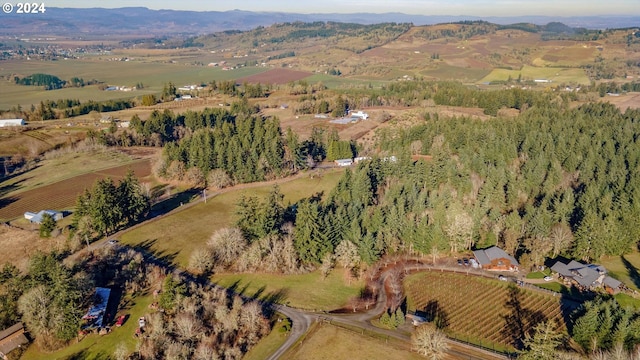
(107,207)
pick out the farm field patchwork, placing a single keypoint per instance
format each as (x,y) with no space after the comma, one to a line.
(61,194)
(152,74)
(483,311)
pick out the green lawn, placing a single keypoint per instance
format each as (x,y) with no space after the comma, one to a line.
(175,237)
(539,274)
(306,291)
(625,268)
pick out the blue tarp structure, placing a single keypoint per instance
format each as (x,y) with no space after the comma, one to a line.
(95,315)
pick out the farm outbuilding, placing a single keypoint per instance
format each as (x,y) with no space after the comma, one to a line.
(11,339)
(12,122)
(95,315)
(37,217)
(496,259)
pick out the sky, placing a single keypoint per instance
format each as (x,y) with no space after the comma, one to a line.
(422,7)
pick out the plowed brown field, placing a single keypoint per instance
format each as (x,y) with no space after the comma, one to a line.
(63,194)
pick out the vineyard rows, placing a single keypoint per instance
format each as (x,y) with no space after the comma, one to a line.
(495,312)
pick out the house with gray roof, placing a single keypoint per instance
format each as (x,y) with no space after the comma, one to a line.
(587,276)
(496,259)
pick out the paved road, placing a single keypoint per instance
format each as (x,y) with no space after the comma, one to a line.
(301,322)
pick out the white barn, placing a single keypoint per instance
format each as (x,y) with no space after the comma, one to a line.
(12,122)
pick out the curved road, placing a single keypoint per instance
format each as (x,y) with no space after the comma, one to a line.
(302,320)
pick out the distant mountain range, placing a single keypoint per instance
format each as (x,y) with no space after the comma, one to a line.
(143,21)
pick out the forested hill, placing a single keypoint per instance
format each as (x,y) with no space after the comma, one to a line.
(139,20)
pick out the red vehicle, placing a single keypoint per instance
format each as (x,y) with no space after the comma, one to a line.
(121,320)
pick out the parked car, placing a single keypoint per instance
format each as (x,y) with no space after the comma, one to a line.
(113,242)
(121,320)
(473,263)
(465,261)
(502,278)
(548,278)
(460,262)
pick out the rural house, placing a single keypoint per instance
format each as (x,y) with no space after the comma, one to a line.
(11,339)
(587,276)
(496,259)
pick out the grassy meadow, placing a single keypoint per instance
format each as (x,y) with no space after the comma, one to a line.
(306,291)
(175,237)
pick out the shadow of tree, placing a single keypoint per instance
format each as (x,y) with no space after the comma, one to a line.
(519,321)
(436,314)
(85,355)
(632,271)
(275,297)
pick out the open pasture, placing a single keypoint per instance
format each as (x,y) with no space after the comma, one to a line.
(530,73)
(301,291)
(176,236)
(487,312)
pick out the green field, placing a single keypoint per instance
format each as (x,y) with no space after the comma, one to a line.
(120,73)
(530,73)
(175,237)
(306,291)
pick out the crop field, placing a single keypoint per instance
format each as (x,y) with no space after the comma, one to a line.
(556,75)
(62,194)
(480,310)
(175,237)
(120,73)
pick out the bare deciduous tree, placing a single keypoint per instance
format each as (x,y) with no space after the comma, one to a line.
(347,254)
(430,343)
(227,245)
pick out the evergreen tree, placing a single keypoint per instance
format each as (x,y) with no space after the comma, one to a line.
(47,225)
